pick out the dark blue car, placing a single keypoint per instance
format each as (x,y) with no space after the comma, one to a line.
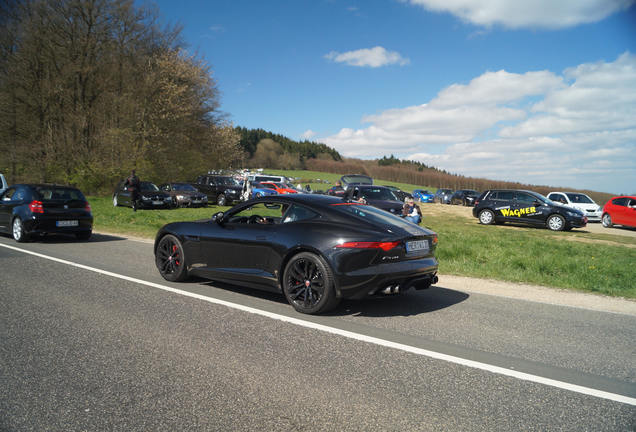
(27,210)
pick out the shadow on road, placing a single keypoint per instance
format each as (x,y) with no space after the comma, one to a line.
(61,238)
(406,304)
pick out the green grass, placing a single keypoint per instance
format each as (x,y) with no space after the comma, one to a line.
(599,263)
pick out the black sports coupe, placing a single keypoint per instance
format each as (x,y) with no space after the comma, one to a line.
(315,249)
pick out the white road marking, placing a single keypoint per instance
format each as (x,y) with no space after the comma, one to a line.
(356,336)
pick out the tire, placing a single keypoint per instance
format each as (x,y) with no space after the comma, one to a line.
(221,200)
(170,259)
(486,217)
(17,229)
(308,284)
(115,203)
(555,222)
(606,220)
(84,235)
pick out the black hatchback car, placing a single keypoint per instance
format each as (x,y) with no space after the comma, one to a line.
(526,207)
(37,209)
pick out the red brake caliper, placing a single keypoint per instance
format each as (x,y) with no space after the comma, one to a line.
(175,255)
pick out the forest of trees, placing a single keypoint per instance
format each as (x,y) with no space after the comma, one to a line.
(90,89)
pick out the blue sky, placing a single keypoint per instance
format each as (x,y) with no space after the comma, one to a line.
(543,95)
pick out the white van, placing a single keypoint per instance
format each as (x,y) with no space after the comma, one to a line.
(579,201)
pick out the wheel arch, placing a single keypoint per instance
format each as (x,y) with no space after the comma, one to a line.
(300,249)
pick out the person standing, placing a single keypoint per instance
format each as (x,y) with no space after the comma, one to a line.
(132,183)
(411,211)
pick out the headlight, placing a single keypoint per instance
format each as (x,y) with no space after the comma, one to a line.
(574,214)
(180,197)
(145,198)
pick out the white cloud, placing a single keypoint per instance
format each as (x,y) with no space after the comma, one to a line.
(368,57)
(308,134)
(579,127)
(549,14)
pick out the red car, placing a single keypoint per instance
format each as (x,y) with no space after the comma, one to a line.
(280,188)
(620,210)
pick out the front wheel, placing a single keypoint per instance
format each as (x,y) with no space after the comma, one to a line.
(607,221)
(486,217)
(221,200)
(308,284)
(556,223)
(170,259)
(18,230)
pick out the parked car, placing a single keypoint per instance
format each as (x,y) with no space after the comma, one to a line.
(355,179)
(526,207)
(3,183)
(443,196)
(579,201)
(314,249)
(377,196)
(259,191)
(184,195)
(336,190)
(399,193)
(422,195)
(149,196)
(27,210)
(465,197)
(280,188)
(620,210)
(220,189)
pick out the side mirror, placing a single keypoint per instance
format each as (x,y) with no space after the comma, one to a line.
(538,203)
(217,217)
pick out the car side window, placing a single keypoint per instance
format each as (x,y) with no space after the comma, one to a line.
(620,202)
(525,198)
(503,195)
(8,195)
(298,213)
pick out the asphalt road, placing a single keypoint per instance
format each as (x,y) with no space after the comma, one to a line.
(86,350)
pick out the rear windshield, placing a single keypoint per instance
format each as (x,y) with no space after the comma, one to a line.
(372,214)
(378,194)
(58,193)
(360,179)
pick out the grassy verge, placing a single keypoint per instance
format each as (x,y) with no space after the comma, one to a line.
(600,263)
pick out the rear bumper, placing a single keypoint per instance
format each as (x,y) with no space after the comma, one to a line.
(399,276)
(48,224)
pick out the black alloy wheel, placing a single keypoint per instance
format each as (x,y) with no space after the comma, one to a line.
(308,284)
(221,200)
(170,260)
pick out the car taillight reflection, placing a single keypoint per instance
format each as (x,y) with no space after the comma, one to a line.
(36,207)
(385,246)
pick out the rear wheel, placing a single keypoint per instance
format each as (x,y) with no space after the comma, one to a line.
(308,284)
(607,220)
(486,217)
(556,222)
(170,259)
(221,200)
(18,230)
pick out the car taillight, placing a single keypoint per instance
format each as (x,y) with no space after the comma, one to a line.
(385,246)
(434,240)
(476,202)
(87,207)
(36,207)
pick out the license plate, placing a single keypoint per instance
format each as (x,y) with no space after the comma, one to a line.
(417,245)
(157,202)
(68,223)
